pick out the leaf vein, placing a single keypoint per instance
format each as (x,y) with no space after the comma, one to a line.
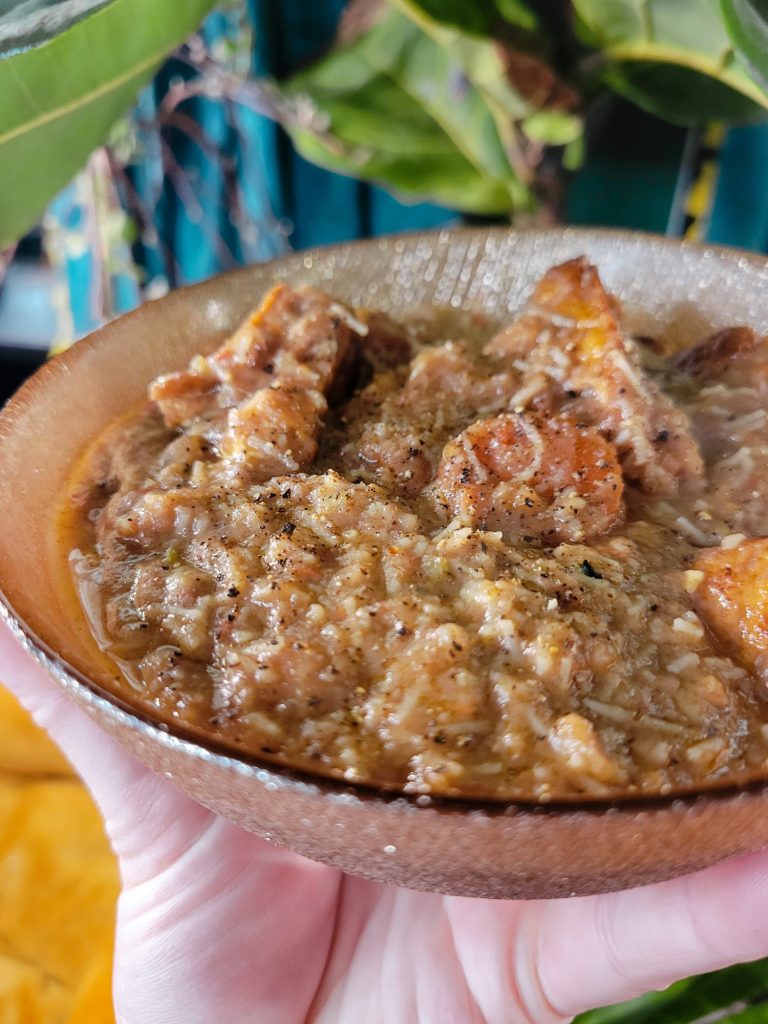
(84,100)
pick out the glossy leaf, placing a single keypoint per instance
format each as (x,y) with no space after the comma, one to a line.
(747,23)
(480,16)
(25,23)
(673,59)
(517,13)
(475,18)
(428,110)
(59,100)
(724,996)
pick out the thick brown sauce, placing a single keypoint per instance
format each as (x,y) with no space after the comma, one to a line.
(480,575)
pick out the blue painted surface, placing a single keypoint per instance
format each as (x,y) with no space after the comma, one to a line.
(740,212)
(192,230)
(286,200)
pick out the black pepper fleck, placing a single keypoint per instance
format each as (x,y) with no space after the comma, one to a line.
(588,569)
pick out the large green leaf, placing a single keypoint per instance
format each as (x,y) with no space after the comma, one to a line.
(429,110)
(480,16)
(59,100)
(747,22)
(724,996)
(25,23)
(672,57)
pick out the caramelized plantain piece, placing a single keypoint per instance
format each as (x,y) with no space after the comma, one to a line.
(732,599)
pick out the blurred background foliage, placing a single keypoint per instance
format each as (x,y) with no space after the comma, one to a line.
(460,103)
(291,124)
(427,113)
(477,107)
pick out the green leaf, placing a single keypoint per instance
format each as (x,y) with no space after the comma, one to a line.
(674,59)
(757,1014)
(725,995)
(517,13)
(428,110)
(679,94)
(478,17)
(26,23)
(59,100)
(489,67)
(747,23)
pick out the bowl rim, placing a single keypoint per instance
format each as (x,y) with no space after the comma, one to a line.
(200,747)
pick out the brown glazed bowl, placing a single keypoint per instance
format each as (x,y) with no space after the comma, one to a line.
(669,289)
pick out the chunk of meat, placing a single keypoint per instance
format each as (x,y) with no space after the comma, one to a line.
(123,463)
(544,481)
(180,686)
(452,382)
(732,598)
(386,344)
(571,341)
(430,706)
(274,433)
(298,337)
(735,352)
(447,386)
(394,457)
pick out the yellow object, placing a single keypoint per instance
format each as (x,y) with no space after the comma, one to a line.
(701,194)
(25,749)
(58,885)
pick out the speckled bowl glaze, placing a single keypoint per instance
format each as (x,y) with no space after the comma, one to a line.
(668,288)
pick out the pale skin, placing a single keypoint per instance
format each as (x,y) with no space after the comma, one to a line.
(215,924)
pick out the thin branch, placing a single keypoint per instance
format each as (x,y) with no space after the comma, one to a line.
(180,182)
(140,212)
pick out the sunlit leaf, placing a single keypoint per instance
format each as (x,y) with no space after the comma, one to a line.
(517,13)
(479,16)
(674,59)
(469,17)
(429,110)
(59,99)
(747,23)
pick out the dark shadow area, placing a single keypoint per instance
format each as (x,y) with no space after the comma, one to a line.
(16,364)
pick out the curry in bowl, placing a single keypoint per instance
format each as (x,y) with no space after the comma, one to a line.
(447,556)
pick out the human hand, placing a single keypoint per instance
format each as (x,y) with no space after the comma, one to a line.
(215,924)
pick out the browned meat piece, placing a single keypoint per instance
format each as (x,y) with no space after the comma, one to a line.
(416,719)
(181,687)
(542,481)
(299,337)
(572,344)
(124,463)
(736,352)
(447,386)
(386,345)
(394,457)
(273,433)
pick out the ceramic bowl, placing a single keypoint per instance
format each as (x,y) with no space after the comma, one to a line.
(669,289)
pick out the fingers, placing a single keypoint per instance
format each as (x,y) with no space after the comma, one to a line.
(599,950)
(553,959)
(149,822)
(496,945)
(234,930)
